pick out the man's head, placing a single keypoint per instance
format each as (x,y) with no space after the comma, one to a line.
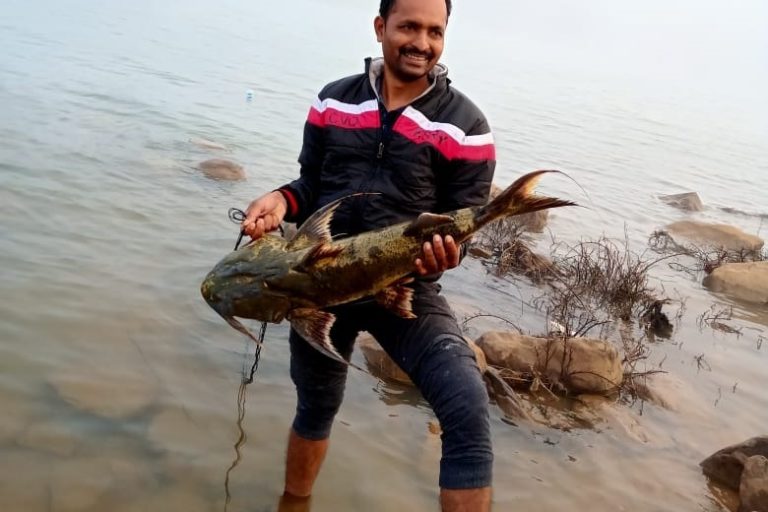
(411,33)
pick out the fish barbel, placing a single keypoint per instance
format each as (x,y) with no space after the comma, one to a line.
(272,279)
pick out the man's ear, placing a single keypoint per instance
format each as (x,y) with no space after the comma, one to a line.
(378,27)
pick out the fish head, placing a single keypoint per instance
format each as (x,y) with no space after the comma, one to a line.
(238,284)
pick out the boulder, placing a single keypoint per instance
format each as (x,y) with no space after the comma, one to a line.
(744,281)
(49,436)
(753,490)
(580,365)
(379,362)
(111,393)
(725,466)
(383,367)
(220,169)
(719,236)
(207,144)
(533,222)
(687,201)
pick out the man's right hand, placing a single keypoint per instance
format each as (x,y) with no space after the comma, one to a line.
(264,214)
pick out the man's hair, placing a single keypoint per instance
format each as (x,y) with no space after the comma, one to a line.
(386,6)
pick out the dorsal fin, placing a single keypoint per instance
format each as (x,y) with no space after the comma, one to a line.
(426,220)
(317,228)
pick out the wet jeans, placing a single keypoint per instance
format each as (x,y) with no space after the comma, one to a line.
(431,351)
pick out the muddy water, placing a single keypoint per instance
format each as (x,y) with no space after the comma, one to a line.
(119,387)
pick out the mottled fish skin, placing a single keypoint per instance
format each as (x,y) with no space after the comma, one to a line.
(272,279)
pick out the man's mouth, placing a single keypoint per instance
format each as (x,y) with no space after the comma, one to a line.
(416,55)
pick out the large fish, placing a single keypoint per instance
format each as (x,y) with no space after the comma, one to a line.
(272,279)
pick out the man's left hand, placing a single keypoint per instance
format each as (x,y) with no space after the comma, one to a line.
(439,255)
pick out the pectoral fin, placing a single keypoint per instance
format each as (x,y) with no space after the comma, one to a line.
(398,299)
(426,221)
(314,326)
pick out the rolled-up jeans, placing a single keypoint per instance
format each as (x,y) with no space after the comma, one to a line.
(431,350)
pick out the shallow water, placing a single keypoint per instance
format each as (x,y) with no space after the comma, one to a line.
(106,229)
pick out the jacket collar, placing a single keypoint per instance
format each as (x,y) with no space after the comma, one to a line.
(438,76)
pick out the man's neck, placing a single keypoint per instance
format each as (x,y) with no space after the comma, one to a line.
(396,94)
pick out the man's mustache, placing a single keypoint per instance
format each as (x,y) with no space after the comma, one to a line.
(416,51)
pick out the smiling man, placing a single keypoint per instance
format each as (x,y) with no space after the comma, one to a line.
(402,134)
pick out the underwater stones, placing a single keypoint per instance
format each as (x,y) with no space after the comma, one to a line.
(715,235)
(687,201)
(207,144)
(379,362)
(106,392)
(23,481)
(533,222)
(15,417)
(175,432)
(744,281)
(580,365)
(725,466)
(49,437)
(222,170)
(753,489)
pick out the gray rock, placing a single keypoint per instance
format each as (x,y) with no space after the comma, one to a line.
(687,201)
(753,491)
(580,365)
(223,170)
(744,281)
(715,235)
(725,466)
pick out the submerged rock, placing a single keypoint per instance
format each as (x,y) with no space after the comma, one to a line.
(106,392)
(744,281)
(715,235)
(753,490)
(580,365)
(725,466)
(207,144)
(379,362)
(687,201)
(533,222)
(224,170)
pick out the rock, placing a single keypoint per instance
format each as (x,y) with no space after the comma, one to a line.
(482,363)
(15,417)
(687,201)
(207,144)
(78,484)
(725,466)
(744,281)
(174,431)
(533,222)
(753,490)
(220,169)
(379,362)
(49,436)
(715,235)
(591,366)
(106,392)
(479,252)
(24,479)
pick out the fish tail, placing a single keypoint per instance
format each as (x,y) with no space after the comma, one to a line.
(519,198)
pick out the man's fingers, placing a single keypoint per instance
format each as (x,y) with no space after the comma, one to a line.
(439,251)
(452,252)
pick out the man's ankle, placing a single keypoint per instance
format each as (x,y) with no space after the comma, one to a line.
(466,500)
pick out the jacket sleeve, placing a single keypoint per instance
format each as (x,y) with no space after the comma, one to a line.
(300,193)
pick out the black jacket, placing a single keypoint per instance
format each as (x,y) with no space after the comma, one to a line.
(437,155)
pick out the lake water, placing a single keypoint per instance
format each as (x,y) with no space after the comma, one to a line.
(119,386)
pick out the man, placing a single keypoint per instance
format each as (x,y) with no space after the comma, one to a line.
(401,132)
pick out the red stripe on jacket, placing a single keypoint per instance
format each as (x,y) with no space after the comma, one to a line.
(449,147)
(337,118)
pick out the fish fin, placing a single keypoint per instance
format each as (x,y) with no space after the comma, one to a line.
(426,220)
(317,228)
(318,252)
(241,328)
(314,326)
(398,299)
(519,198)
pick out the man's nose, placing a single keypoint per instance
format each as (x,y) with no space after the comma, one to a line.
(422,41)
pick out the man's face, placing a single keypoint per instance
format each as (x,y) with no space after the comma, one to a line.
(412,37)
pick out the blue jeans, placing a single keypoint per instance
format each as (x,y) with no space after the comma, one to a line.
(432,352)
